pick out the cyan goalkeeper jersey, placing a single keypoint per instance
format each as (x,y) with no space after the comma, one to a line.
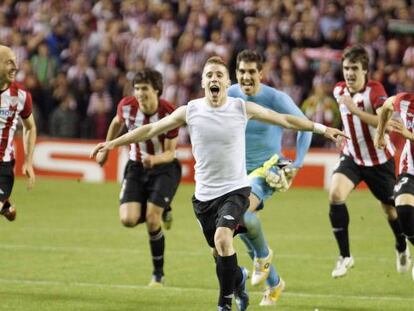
(264,140)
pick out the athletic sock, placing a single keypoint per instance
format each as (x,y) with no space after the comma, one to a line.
(249,246)
(400,243)
(338,214)
(157,245)
(238,277)
(406,218)
(273,279)
(227,272)
(255,238)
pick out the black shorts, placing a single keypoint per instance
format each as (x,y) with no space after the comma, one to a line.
(6,179)
(225,211)
(379,178)
(405,184)
(157,185)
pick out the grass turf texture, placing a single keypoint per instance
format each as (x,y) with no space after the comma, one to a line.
(67,251)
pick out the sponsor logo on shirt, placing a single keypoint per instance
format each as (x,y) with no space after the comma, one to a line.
(6,112)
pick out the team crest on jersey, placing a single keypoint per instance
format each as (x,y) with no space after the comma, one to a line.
(14,101)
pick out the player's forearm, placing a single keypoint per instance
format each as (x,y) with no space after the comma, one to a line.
(165,157)
(29,141)
(384,117)
(113,130)
(303,142)
(296,123)
(368,118)
(139,134)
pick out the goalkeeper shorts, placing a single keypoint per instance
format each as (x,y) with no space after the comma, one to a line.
(260,187)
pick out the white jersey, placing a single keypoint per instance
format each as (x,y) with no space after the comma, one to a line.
(218,143)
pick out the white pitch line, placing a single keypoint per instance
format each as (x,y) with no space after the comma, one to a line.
(194,289)
(71,249)
(100,231)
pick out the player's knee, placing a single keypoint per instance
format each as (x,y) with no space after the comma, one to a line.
(223,240)
(336,196)
(129,214)
(153,220)
(128,221)
(390,211)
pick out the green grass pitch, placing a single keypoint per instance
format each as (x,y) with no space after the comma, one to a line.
(67,251)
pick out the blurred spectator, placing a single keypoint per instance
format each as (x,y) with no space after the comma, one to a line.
(100,105)
(332,25)
(81,76)
(152,46)
(322,108)
(44,65)
(167,68)
(64,121)
(289,86)
(114,39)
(5,29)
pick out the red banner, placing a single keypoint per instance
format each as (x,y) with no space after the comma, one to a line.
(66,158)
(69,158)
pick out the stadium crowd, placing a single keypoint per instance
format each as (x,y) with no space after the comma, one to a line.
(78,57)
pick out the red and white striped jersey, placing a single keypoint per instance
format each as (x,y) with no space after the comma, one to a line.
(361,145)
(15,101)
(404,104)
(133,117)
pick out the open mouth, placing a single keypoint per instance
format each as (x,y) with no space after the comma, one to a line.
(214,90)
(247,83)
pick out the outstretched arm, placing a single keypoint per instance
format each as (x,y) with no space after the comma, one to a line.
(259,113)
(174,120)
(29,140)
(113,132)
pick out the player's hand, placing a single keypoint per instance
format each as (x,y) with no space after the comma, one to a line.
(148,162)
(398,126)
(334,134)
(102,157)
(27,169)
(379,141)
(349,103)
(275,178)
(290,173)
(101,147)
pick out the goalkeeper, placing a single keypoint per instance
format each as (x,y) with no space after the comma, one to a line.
(268,173)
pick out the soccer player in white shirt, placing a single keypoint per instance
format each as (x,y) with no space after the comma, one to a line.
(217,125)
(15,103)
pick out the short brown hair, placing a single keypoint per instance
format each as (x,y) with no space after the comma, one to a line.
(217,60)
(149,76)
(356,54)
(250,56)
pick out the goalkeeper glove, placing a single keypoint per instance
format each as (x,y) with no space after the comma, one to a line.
(281,174)
(275,178)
